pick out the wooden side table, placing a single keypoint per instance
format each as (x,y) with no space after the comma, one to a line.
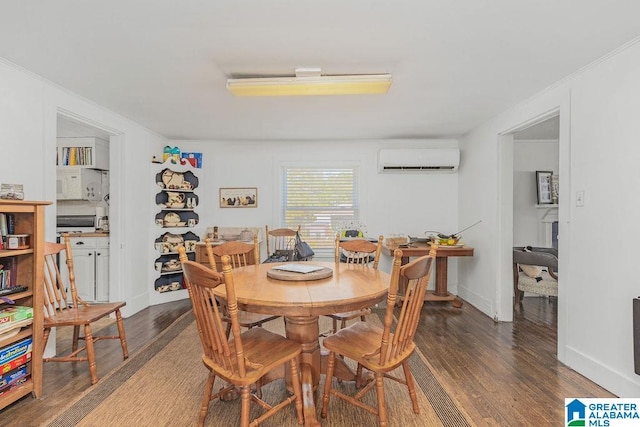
(442,255)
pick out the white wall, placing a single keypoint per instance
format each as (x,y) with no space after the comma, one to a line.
(599,152)
(390,203)
(29,107)
(529,157)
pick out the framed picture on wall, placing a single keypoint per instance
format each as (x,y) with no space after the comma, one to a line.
(239,197)
(543,185)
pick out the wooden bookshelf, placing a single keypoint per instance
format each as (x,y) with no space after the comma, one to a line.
(29,219)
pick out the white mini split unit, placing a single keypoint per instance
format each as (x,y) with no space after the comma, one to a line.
(418,160)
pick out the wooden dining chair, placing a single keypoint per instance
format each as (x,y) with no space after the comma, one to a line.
(245,358)
(381,350)
(241,254)
(280,239)
(63,307)
(357,251)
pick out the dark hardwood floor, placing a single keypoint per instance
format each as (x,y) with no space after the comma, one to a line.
(501,374)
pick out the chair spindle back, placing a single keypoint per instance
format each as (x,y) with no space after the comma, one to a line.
(201,282)
(238,253)
(359,251)
(58,293)
(417,274)
(280,239)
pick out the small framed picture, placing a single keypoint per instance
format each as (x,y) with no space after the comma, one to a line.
(239,197)
(543,185)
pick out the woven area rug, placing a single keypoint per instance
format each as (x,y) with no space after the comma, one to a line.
(162,385)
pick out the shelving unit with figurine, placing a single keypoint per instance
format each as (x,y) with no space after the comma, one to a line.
(176,200)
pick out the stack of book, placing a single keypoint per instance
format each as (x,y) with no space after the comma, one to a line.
(14,365)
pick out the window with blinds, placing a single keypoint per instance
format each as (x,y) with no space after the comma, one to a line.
(318,198)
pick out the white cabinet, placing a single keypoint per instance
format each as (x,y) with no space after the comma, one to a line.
(102,272)
(91,267)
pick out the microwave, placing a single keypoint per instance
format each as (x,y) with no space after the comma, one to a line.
(78,184)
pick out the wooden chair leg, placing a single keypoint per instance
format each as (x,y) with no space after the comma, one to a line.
(412,390)
(297,389)
(121,334)
(382,408)
(245,406)
(91,353)
(327,384)
(335,326)
(343,324)
(76,337)
(206,398)
(359,382)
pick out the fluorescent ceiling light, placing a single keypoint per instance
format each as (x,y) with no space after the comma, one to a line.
(310,82)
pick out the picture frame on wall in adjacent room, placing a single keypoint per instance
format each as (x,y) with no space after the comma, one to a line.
(239,197)
(543,187)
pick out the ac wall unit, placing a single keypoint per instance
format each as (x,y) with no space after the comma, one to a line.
(406,160)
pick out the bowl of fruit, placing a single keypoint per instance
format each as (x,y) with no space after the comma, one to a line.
(444,240)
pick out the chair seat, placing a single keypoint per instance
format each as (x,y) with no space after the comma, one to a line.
(263,351)
(360,339)
(82,314)
(349,315)
(547,286)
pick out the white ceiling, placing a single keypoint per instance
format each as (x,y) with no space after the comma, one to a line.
(456,63)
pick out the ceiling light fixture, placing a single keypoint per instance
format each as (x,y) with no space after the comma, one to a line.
(309,81)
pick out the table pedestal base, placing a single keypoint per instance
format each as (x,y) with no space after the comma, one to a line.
(306,331)
(433,296)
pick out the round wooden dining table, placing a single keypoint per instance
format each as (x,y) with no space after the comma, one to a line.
(302,301)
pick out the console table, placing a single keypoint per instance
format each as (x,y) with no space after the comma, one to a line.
(442,255)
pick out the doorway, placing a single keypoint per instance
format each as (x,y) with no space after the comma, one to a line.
(82,201)
(535,220)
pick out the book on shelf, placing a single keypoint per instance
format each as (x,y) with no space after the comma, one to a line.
(14,385)
(15,363)
(16,350)
(8,272)
(11,377)
(14,379)
(3,224)
(11,223)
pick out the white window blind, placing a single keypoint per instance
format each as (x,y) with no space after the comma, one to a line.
(318,198)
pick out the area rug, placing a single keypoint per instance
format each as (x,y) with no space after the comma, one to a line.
(162,384)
